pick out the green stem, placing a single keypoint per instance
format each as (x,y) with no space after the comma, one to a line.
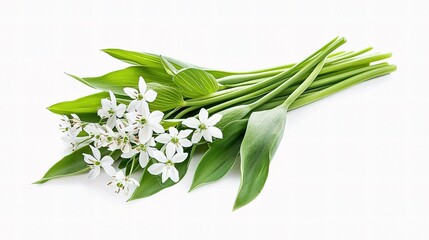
(246,90)
(325,92)
(303,85)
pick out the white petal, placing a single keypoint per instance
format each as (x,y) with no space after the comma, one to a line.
(94,173)
(184,133)
(150,95)
(156,168)
(158,128)
(215,132)
(191,122)
(203,115)
(156,116)
(145,133)
(129,154)
(95,152)
(88,158)
(125,147)
(105,104)
(120,110)
(106,160)
(119,175)
(163,138)
(131,92)
(112,97)
(132,106)
(179,149)
(143,110)
(174,174)
(179,157)
(185,142)
(196,137)
(109,170)
(143,159)
(158,155)
(213,119)
(170,151)
(165,174)
(151,142)
(142,85)
(207,136)
(173,131)
(91,129)
(111,122)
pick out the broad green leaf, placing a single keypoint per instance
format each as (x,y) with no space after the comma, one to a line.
(263,135)
(168,97)
(154,61)
(143,59)
(221,156)
(151,184)
(194,82)
(87,104)
(129,77)
(84,105)
(73,164)
(135,58)
(70,165)
(233,114)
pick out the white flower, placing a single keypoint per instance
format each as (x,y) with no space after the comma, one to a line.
(72,140)
(204,126)
(122,182)
(145,122)
(96,163)
(141,96)
(123,139)
(166,165)
(97,134)
(71,125)
(110,110)
(175,138)
(145,149)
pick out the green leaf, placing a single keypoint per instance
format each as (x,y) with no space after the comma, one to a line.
(168,98)
(87,105)
(233,114)
(194,82)
(169,68)
(151,184)
(143,59)
(71,164)
(132,166)
(263,135)
(221,156)
(129,77)
(124,162)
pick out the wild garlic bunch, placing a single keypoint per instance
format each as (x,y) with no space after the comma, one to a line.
(149,118)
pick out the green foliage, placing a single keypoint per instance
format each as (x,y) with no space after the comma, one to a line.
(168,97)
(71,164)
(194,82)
(129,77)
(263,135)
(221,156)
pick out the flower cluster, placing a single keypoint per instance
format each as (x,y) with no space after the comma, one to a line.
(137,134)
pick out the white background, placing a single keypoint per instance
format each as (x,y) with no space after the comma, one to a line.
(352,166)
